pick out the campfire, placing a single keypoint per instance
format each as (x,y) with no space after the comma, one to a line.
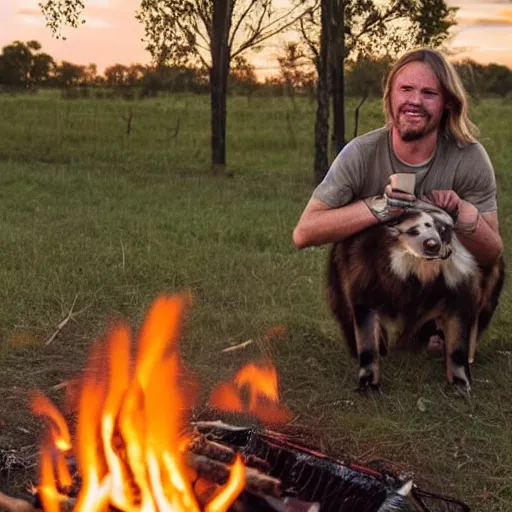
(134,447)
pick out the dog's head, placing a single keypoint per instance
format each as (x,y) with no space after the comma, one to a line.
(424,234)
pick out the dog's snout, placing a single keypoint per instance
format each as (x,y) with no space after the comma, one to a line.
(431,246)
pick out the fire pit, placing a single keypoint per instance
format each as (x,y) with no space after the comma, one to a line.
(135,449)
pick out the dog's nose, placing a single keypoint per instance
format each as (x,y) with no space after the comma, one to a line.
(431,246)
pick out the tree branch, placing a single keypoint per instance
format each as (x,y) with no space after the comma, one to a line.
(264,35)
(241,19)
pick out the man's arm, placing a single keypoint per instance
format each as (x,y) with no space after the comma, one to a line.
(475,184)
(485,242)
(321,224)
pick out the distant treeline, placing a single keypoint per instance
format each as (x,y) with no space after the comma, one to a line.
(24,67)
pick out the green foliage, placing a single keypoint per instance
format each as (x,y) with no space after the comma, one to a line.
(364,77)
(384,29)
(181,32)
(62,12)
(432,20)
(68,75)
(295,71)
(174,30)
(242,77)
(481,80)
(22,65)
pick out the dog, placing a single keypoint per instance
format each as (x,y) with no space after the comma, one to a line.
(414,272)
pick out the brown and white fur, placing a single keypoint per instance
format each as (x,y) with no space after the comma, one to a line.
(411,271)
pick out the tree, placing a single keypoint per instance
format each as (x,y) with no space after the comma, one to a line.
(293,70)
(116,76)
(321,60)
(68,75)
(22,65)
(364,79)
(243,76)
(209,32)
(43,66)
(345,28)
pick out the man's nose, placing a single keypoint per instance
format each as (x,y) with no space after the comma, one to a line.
(415,97)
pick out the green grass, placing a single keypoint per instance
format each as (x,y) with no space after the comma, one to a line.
(114,219)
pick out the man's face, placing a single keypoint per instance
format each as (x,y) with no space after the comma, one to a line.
(417,102)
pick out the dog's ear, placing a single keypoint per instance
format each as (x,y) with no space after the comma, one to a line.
(394,229)
(393,225)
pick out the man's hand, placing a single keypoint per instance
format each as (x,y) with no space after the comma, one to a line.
(465,213)
(448,200)
(392,203)
(479,233)
(394,189)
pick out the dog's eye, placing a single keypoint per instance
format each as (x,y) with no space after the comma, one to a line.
(413,232)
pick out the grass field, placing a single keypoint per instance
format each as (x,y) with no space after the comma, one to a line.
(111,219)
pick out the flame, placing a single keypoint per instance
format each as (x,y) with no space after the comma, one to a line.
(261,385)
(131,432)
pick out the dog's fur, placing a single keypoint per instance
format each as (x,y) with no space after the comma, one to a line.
(412,271)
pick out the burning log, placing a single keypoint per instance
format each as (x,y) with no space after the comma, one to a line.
(201,445)
(217,472)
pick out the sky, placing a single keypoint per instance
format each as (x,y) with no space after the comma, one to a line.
(112,35)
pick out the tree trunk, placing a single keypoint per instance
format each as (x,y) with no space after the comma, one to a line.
(219,81)
(337,76)
(356,113)
(322,96)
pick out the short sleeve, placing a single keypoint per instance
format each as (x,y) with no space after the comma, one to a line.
(341,184)
(476,180)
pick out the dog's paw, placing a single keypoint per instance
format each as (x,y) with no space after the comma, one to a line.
(458,370)
(461,381)
(368,379)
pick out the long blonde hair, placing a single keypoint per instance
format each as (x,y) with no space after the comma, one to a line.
(455,122)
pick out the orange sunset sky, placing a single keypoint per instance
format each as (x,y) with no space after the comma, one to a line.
(112,35)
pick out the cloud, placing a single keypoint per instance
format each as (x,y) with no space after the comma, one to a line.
(34,17)
(488,22)
(97,23)
(484,15)
(29,19)
(28,12)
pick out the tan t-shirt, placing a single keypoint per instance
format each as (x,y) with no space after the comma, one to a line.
(363,167)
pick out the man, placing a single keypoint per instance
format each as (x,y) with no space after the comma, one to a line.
(427,133)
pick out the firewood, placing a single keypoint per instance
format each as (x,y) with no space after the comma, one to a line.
(218,472)
(202,446)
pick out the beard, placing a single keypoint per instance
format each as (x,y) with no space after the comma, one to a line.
(411,131)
